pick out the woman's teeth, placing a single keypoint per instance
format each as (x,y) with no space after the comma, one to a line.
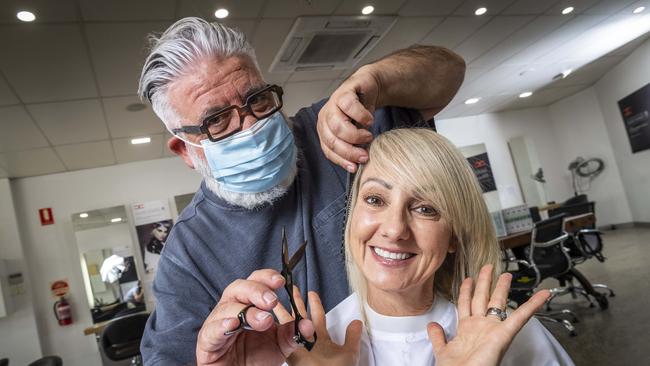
(390,255)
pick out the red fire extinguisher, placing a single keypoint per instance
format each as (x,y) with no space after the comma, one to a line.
(62,312)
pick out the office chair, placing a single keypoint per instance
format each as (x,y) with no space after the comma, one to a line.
(48,361)
(574,209)
(120,339)
(584,244)
(4,362)
(545,257)
(579,198)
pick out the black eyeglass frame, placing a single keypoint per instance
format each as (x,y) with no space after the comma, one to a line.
(204,129)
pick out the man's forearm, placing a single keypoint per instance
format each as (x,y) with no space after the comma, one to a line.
(420,77)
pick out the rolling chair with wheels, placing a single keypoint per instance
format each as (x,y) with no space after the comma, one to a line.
(584,244)
(48,361)
(545,257)
(580,198)
(4,362)
(120,339)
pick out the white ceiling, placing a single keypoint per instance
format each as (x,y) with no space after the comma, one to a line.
(66,79)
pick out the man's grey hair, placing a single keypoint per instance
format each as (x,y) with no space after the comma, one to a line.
(180,46)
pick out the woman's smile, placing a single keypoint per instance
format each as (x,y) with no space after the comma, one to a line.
(391,258)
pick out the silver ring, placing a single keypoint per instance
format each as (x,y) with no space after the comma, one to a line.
(501,314)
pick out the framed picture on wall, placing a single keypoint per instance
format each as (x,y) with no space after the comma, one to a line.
(635,109)
(481,166)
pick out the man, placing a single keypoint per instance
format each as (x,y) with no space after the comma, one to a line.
(262,173)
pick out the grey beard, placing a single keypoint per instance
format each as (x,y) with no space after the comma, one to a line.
(248,201)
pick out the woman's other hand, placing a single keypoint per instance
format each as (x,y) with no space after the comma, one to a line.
(482,339)
(325,351)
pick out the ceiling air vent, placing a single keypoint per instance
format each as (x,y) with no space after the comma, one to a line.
(329,43)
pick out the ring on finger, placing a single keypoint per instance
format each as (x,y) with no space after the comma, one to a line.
(499,313)
(243,324)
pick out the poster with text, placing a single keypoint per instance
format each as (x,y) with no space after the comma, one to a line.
(481,166)
(152,223)
(635,109)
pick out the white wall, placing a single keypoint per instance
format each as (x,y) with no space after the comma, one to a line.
(18,333)
(554,132)
(625,78)
(494,130)
(579,130)
(51,251)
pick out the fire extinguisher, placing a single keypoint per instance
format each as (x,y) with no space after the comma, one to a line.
(63,312)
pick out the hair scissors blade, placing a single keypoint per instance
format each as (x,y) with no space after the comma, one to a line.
(287,266)
(297,256)
(285,250)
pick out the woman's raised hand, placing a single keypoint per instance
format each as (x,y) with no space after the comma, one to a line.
(482,339)
(325,351)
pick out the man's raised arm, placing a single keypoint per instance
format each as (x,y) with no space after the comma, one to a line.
(425,78)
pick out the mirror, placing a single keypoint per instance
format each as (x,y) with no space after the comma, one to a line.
(107,263)
(530,174)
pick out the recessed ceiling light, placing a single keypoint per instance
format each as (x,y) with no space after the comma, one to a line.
(141,140)
(367,10)
(83,215)
(221,13)
(525,94)
(117,219)
(26,16)
(567,10)
(566,73)
(472,100)
(480,11)
(638,10)
(135,107)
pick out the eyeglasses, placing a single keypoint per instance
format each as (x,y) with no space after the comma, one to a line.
(228,121)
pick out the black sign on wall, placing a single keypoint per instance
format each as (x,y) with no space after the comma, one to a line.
(481,166)
(635,109)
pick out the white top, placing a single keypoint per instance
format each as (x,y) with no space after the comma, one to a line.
(404,341)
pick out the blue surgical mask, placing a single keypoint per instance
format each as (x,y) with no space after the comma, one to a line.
(254,160)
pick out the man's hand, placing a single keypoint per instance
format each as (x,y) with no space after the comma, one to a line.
(424,78)
(355,100)
(481,339)
(267,344)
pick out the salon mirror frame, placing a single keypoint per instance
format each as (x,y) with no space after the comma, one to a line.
(99,234)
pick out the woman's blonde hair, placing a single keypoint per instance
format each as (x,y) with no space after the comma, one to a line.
(433,170)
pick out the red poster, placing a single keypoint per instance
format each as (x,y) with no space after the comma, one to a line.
(46,216)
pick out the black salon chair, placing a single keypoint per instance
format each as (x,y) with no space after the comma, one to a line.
(544,258)
(574,209)
(583,245)
(579,198)
(48,361)
(4,362)
(120,339)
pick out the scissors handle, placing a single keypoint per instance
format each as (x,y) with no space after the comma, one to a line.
(299,338)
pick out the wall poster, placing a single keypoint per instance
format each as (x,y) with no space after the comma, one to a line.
(481,166)
(635,109)
(152,223)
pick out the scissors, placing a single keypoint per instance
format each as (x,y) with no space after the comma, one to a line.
(287,266)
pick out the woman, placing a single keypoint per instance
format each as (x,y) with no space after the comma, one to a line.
(156,244)
(417,227)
